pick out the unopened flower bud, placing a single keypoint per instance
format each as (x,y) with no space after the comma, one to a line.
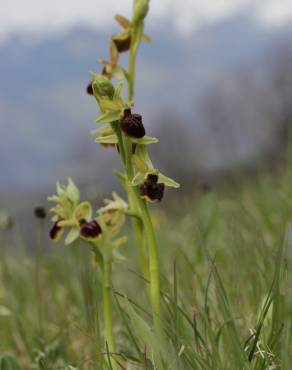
(131,124)
(151,190)
(103,87)
(90,230)
(40,212)
(141,8)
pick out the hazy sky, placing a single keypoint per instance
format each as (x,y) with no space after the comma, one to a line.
(39,18)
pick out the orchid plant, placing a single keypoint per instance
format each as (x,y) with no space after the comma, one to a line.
(123,129)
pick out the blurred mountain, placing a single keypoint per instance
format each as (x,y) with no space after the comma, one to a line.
(46,116)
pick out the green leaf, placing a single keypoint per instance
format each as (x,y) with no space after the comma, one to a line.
(108,117)
(8,362)
(168,181)
(110,139)
(145,140)
(142,330)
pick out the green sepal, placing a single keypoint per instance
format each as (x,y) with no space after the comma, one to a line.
(118,90)
(105,130)
(142,153)
(115,106)
(107,117)
(146,140)
(167,181)
(138,179)
(110,139)
(141,165)
(73,191)
(120,73)
(72,235)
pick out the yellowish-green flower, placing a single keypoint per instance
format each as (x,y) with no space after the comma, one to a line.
(70,213)
(113,214)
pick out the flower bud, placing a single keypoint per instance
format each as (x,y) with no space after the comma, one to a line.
(151,190)
(131,124)
(90,230)
(56,231)
(103,87)
(89,89)
(141,8)
(40,212)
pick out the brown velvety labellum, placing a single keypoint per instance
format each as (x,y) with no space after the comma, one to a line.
(132,125)
(151,191)
(90,230)
(89,89)
(56,231)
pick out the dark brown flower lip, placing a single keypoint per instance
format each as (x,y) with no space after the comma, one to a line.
(90,230)
(89,89)
(151,190)
(122,45)
(132,125)
(55,231)
(40,212)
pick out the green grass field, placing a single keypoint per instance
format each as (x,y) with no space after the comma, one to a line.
(226,290)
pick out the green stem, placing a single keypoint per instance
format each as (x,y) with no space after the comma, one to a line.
(136,202)
(131,73)
(138,233)
(107,309)
(38,288)
(153,267)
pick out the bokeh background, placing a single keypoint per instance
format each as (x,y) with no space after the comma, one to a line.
(215,86)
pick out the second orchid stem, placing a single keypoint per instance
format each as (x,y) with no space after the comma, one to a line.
(148,230)
(107,309)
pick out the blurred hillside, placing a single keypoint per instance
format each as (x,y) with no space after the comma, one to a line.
(218,100)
